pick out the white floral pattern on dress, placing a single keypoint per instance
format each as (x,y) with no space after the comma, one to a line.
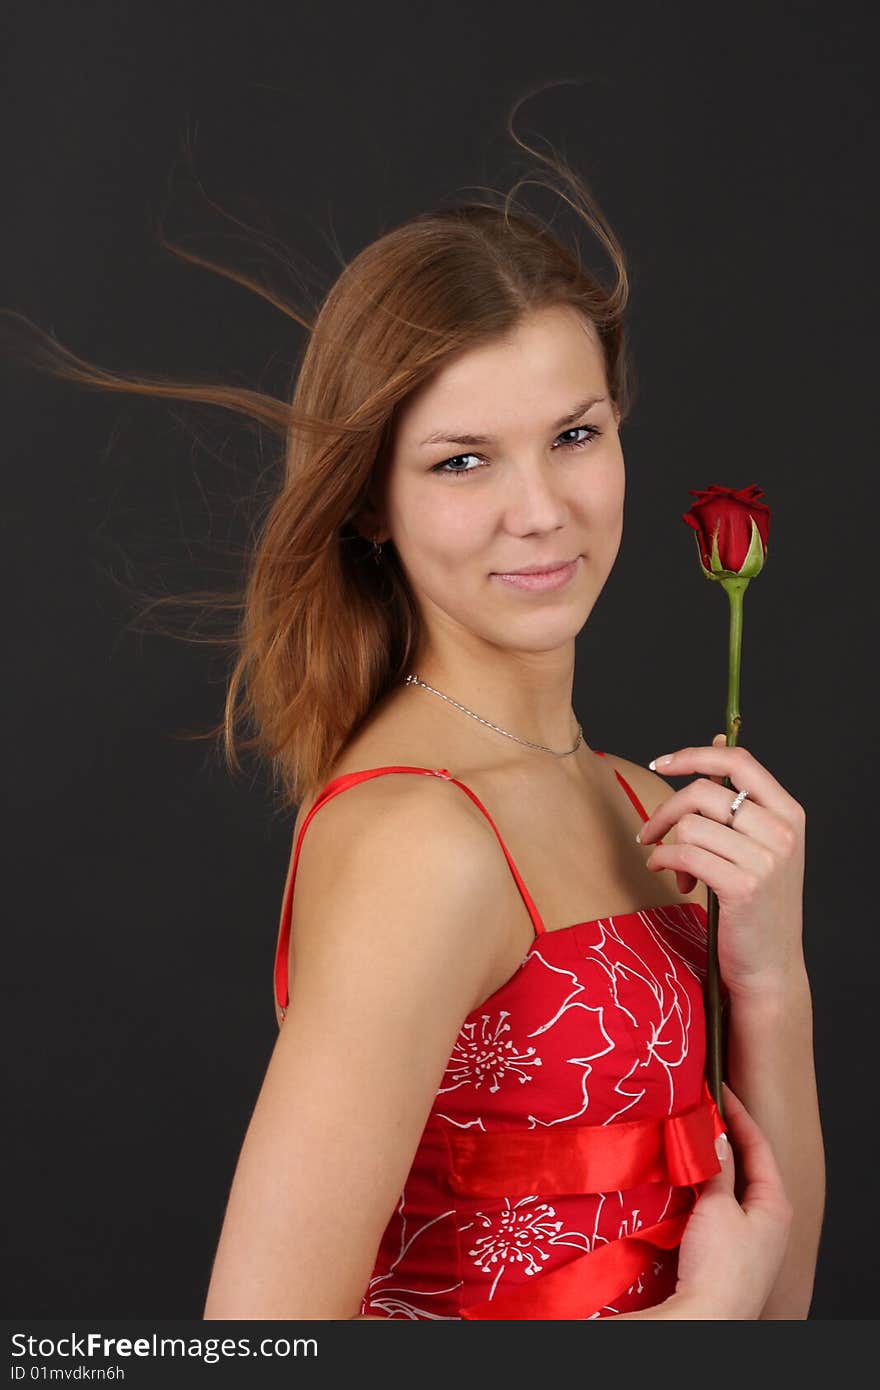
(549,992)
(509,1233)
(385,1296)
(481,1054)
(513,1236)
(607,1017)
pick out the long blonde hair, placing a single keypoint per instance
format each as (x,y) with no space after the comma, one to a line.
(323,633)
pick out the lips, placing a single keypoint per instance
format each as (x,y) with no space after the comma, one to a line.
(539,569)
(543,580)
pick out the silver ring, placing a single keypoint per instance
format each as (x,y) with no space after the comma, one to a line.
(736,803)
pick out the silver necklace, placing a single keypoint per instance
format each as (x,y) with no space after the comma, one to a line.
(414,680)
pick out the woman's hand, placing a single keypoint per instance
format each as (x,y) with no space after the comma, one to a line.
(754,865)
(732,1250)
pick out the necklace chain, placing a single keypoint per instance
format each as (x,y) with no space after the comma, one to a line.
(414,680)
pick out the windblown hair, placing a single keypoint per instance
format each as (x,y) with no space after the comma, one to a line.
(323,633)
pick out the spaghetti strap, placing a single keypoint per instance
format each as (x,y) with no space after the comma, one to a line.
(628,789)
(351,779)
(333,788)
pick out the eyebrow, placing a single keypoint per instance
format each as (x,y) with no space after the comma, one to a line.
(446,437)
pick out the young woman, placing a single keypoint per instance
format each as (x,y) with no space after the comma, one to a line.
(487,1098)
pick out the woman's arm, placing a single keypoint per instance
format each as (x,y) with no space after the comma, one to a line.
(392,952)
(771,1068)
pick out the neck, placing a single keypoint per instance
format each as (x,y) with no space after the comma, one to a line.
(525,693)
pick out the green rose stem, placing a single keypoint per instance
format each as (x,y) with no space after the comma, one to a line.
(735,589)
(730,515)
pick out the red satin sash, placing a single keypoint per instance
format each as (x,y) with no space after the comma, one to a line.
(677,1149)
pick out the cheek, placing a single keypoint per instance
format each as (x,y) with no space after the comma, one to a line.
(600,493)
(450,533)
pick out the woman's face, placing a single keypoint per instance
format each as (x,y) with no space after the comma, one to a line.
(509,458)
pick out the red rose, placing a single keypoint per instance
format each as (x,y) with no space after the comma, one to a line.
(732,527)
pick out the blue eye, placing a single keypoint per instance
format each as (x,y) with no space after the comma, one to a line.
(444,467)
(591,431)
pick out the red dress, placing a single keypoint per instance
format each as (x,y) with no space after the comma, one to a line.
(572,1128)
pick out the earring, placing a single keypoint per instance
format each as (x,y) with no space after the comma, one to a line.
(377,552)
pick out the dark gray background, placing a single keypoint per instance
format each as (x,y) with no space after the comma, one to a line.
(734,151)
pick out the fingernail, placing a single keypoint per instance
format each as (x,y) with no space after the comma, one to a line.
(639,838)
(721,1147)
(653,765)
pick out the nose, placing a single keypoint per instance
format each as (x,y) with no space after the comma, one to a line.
(536,499)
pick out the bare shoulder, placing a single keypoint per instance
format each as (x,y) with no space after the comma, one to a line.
(652,790)
(407,868)
(648,786)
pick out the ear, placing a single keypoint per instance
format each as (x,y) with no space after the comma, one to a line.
(369,518)
(368,523)
(372,532)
